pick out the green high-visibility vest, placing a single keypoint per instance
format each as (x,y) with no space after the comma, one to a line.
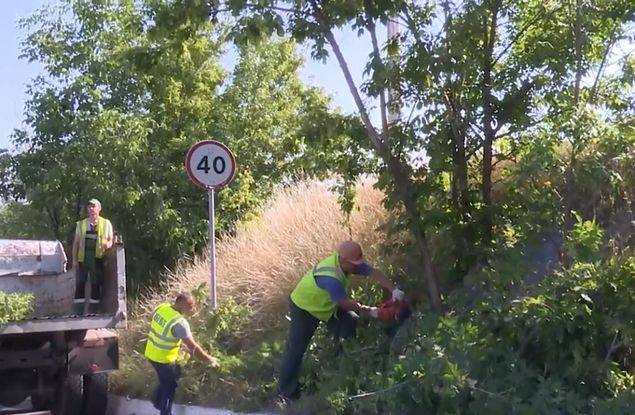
(103,226)
(313,299)
(162,346)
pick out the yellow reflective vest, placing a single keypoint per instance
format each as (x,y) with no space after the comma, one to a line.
(162,346)
(313,299)
(103,229)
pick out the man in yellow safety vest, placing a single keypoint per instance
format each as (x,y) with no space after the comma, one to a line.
(93,237)
(167,330)
(322,295)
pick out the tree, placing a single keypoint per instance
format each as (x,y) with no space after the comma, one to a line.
(476,76)
(315,21)
(130,86)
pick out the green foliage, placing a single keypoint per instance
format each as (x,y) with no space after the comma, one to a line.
(565,348)
(245,379)
(20,221)
(130,86)
(562,346)
(480,77)
(585,240)
(15,306)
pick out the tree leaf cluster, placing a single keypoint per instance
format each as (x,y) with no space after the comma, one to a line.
(129,87)
(476,84)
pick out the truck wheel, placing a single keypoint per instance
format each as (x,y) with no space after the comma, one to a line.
(69,396)
(95,394)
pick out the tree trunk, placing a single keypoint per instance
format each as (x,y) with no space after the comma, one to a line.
(404,189)
(569,174)
(488,128)
(397,168)
(464,247)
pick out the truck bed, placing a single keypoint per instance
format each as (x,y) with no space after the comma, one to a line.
(69,323)
(54,293)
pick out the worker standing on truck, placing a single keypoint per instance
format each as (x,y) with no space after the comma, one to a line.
(93,236)
(322,295)
(167,330)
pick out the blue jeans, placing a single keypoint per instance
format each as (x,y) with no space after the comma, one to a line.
(163,396)
(342,325)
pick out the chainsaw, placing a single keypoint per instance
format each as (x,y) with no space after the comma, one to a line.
(394,311)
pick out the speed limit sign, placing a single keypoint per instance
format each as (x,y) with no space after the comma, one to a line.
(210,164)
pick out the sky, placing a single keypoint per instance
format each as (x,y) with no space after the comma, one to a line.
(16,74)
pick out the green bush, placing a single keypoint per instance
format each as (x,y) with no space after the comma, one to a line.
(564,348)
(583,244)
(15,306)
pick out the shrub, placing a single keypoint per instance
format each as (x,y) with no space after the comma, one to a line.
(15,306)
(565,348)
(563,345)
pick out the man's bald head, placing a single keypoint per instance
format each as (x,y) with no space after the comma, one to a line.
(351,255)
(185,303)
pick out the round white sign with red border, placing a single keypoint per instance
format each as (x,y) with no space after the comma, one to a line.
(210,164)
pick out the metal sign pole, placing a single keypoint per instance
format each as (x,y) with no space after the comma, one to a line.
(210,165)
(212,251)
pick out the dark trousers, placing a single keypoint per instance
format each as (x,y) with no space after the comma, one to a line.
(163,396)
(301,329)
(93,275)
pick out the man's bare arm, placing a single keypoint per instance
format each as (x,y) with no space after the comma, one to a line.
(109,237)
(198,352)
(350,305)
(75,250)
(382,280)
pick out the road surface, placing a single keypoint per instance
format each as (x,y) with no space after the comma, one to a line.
(118,405)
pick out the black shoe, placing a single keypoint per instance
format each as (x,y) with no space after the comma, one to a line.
(155,401)
(286,399)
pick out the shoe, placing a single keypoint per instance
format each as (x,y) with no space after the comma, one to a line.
(287,399)
(155,400)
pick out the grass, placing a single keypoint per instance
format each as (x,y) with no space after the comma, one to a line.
(257,267)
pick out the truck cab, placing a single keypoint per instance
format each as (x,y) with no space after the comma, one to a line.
(57,359)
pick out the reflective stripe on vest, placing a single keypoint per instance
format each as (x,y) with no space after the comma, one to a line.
(161,345)
(313,299)
(101,237)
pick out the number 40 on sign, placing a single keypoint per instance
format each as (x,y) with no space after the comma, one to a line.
(210,165)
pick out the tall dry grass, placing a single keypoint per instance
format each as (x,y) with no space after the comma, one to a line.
(261,263)
(257,266)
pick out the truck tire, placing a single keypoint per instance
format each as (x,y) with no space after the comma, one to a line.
(95,394)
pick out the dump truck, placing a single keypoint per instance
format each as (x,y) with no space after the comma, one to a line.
(57,359)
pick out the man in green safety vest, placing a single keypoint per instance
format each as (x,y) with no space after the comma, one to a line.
(322,295)
(167,330)
(93,237)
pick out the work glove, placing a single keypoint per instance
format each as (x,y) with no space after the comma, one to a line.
(373,312)
(397,294)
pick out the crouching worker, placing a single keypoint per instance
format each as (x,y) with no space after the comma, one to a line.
(322,295)
(167,330)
